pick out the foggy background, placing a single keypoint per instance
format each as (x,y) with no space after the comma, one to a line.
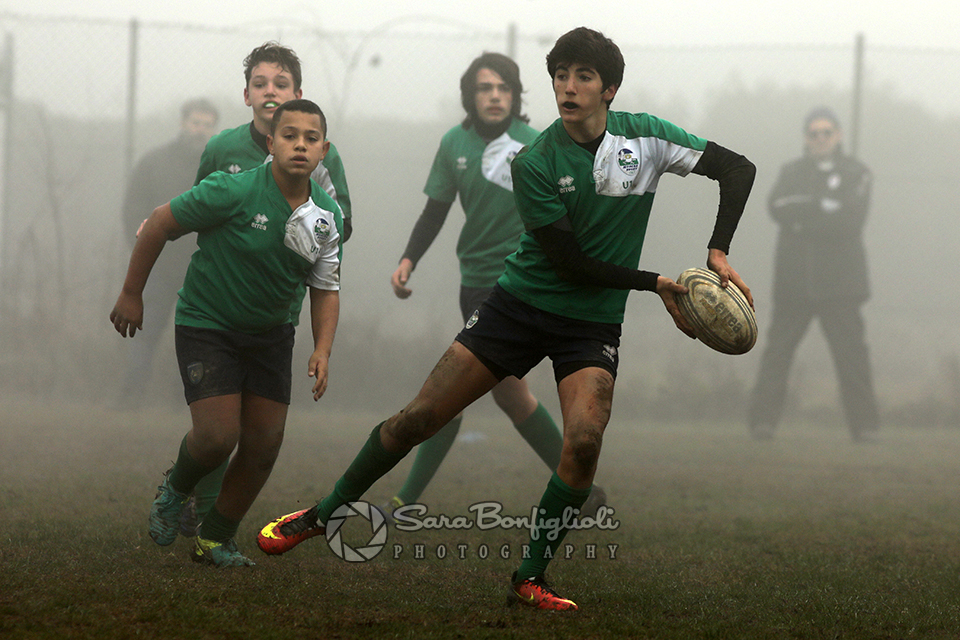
(390,92)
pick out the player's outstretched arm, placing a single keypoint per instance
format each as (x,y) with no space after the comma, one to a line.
(563,251)
(424,233)
(717,262)
(324,316)
(161,226)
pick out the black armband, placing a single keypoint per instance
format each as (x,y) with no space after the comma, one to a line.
(426,230)
(735,174)
(573,265)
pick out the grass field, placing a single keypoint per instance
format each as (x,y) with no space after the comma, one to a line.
(808,536)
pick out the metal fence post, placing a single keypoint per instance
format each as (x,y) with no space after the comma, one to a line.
(7,104)
(132,94)
(857,96)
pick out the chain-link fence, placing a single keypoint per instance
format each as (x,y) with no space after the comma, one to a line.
(85,99)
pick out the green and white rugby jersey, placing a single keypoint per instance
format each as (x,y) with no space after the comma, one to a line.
(480,172)
(607,198)
(255,254)
(235,150)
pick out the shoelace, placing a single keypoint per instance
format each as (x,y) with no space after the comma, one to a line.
(308,520)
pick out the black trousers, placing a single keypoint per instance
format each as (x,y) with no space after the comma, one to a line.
(843,327)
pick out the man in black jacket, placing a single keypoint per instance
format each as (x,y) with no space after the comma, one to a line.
(820,202)
(162,174)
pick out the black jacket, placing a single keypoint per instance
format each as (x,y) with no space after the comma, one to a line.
(821,207)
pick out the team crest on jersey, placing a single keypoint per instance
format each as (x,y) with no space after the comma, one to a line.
(462,163)
(566,184)
(234,168)
(321,230)
(260,222)
(473,319)
(628,162)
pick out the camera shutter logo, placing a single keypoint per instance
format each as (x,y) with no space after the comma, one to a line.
(378,531)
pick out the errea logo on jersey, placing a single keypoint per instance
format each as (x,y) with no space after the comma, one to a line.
(260,222)
(462,163)
(566,184)
(234,168)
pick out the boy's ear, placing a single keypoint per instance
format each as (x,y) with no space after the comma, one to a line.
(270,143)
(609,93)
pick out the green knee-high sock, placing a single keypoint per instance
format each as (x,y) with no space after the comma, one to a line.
(187,472)
(430,454)
(208,489)
(542,434)
(371,463)
(218,527)
(557,497)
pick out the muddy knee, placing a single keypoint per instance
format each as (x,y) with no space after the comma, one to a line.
(584,449)
(413,425)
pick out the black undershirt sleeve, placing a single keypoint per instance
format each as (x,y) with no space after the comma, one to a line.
(572,264)
(735,174)
(426,230)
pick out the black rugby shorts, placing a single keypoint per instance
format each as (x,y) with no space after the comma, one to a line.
(214,362)
(511,337)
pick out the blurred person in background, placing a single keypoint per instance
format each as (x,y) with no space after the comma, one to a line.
(473,161)
(161,175)
(820,201)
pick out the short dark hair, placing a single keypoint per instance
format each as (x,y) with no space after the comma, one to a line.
(592,48)
(275,53)
(198,105)
(821,113)
(504,67)
(302,105)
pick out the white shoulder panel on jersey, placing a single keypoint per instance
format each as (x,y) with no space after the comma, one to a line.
(312,233)
(497,157)
(633,166)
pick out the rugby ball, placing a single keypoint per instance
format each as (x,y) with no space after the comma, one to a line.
(721,318)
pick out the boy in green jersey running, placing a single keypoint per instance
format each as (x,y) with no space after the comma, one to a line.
(261,235)
(473,161)
(584,189)
(272,75)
